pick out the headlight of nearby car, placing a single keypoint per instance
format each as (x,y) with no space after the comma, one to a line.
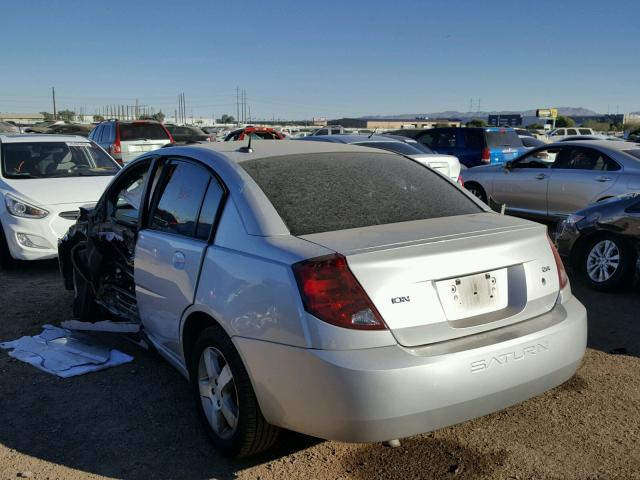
(20,208)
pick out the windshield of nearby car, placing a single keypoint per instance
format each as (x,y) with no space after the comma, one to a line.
(336,191)
(55,159)
(503,138)
(634,153)
(142,131)
(397,147)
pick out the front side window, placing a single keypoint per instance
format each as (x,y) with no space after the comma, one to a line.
(538,159)
(127,197)
(55,159)
(337,191)
(184,186)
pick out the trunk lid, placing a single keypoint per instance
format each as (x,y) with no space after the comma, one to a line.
(134,148)
(439,279)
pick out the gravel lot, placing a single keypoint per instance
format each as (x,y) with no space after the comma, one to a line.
(137,420)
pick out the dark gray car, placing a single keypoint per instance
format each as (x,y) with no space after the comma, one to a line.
(602,241)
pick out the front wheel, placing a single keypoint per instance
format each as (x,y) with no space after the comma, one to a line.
(225,398)
(608,263)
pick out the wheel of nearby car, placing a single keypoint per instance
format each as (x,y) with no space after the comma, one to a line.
(608,262)
(476,190)
(84,305)
(6,260)
(225,398)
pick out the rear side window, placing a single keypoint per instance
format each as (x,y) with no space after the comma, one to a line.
(337,191)
(180,199)
(473,140)
(142,131)
(633,153)
(503,138)
(584,131)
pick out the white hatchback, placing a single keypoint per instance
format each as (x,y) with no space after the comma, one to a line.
(44,180)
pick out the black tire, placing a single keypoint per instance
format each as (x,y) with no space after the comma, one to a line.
(617,279)
(85,308)
(476,190)
(6,260)
(252,434)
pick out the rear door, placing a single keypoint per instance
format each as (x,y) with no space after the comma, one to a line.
(171,247)
(579,176)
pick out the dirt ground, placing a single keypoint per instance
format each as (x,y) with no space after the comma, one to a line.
(137,421)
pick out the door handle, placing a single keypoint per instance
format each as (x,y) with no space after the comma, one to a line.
(603,179)
(178,260)
(541,176)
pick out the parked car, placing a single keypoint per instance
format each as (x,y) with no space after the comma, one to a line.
(560,133)
(558,179)
(590,137)
(472,146)
(188,134)
(6,127)
(70,129)
(448,165)
(44,179)
(531,142)
(42,127)
(340,291)
(261,133)
(127,139)
(602,241)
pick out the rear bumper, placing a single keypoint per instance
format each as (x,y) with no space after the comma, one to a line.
(388,392)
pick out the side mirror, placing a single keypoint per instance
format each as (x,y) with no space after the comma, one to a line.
(508,165)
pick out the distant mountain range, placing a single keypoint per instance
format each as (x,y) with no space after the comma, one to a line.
(568,111)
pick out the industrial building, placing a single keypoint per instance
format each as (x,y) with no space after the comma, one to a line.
(394,123)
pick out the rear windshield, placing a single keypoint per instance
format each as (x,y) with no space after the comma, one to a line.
(55,159)
(397,147)
(634,153)
(503,138)
(336,191)
(142,131)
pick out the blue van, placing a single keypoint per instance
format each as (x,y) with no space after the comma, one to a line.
(473,146)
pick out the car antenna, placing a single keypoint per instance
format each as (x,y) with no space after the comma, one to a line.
(372,133)
(247,148)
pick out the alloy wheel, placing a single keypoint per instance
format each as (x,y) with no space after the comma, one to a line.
(603,261)
(218,392)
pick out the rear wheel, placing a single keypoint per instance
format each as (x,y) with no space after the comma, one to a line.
(225,398)
(608,263)
(476,190)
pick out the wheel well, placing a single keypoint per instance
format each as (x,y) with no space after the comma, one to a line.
(604,198)
(193,327)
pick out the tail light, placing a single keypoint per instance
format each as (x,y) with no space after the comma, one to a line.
(562,273)
(115,149)
(486,155)
(330,291)
(460,181)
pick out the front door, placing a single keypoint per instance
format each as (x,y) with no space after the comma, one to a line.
(171,247)
(523,187)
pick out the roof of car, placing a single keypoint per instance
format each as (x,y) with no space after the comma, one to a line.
(44,137)
(601,143)
(351,138)
(272,148)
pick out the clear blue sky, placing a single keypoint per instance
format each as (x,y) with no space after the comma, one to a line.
(330,58)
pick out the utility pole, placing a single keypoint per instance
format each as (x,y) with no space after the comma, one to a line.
(237,106)
(53,93)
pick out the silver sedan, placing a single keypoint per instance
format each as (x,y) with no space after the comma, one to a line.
(556,180)
(344,292)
